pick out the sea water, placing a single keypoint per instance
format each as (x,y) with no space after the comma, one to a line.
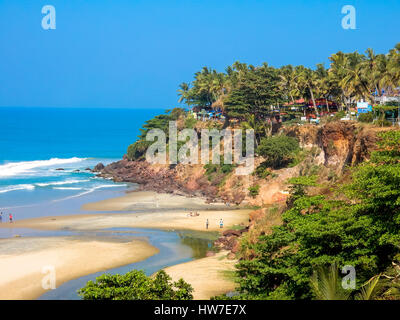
(44,153)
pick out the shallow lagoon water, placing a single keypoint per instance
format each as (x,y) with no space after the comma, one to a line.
(175,247)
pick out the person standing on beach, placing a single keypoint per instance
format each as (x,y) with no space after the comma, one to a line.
(207,224)
(221,223)
(1,217)
(10,217)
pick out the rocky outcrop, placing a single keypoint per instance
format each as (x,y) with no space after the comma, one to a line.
(230,241)
(334,145)
(341,143)
(98,167)
(177,179)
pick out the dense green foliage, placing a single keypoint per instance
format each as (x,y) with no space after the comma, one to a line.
(262,171)
(278,150)
(137,150)
(363,232)
(135,285)
(244,90)
(255,91)
(298,187)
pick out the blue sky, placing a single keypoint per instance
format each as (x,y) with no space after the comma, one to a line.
(135,53)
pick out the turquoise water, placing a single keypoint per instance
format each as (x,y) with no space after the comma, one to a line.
(35,142)
(175,248)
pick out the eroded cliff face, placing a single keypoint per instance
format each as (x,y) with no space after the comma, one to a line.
(341,143)
(333,147)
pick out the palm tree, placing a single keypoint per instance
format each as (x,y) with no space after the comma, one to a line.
(324,84)
(183,92)
(392,78)
(307,79)
(288,81)
(338,72)
(325,284)
(370,289)
(374,68)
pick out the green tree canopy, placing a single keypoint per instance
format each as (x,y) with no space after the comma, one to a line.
(135,285)
(278,150)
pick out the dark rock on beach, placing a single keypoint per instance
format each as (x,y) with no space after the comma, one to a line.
(99,167)
(59,169)
(229,240)
(161,178)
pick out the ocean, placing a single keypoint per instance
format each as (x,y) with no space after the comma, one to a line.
(44,153)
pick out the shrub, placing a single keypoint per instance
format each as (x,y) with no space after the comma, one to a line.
(262,171)
(338,115)
(254,190)
(137,150)
(382,123)
(366,117)
(135,285)
(363,232)
(190,122)
(278,151)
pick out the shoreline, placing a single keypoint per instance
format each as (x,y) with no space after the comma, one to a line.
(171,213)
(69,258)
(120,212)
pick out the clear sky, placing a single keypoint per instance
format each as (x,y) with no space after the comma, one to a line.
(115,53)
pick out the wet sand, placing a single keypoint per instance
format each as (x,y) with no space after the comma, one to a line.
(208,276)
(169,213)
(23,261)
(20,276)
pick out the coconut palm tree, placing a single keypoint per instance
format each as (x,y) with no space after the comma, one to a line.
(325,284)
(183,92)
(288,81)
(392,77)
(307,80)
(370,289)
(338,72)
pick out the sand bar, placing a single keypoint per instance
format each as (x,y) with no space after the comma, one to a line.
(208,276)
(171,213)
(22,261)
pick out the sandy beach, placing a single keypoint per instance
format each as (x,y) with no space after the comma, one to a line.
(208,276)
(172,214)
(23,261)
(149,200)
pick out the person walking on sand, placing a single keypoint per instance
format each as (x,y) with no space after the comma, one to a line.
(207,224)
(221,223)
(10,217)
(1,217)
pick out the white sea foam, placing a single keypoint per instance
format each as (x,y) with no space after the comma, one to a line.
(91,190)
(26,167)
(60,183)
(17,187)
(67,188)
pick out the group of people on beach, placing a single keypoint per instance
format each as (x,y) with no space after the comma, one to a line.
(10,217)
(196,214)
(221,223)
